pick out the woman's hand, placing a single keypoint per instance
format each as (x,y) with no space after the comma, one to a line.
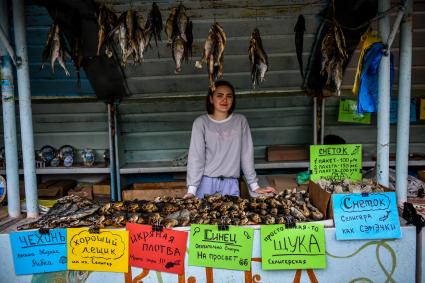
(188,195)
(266,190)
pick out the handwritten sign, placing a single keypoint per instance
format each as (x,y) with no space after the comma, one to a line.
(230,249)
(374,216)
(38,253)
(302,247)
(348,112)
(162,251)
(104,251)
(422,109)
(394,111)
(336,162)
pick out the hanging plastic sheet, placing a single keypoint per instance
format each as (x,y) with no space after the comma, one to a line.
(368,87)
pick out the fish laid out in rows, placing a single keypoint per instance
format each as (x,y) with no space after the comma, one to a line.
(55,48)
(289,206)
(179,33)
(213,54)
(334,56)
(258,58)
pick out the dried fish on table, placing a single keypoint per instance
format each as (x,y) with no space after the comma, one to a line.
(258,58)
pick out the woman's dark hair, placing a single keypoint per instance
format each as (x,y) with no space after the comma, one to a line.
(210,106)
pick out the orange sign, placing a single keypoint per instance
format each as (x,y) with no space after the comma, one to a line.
(157,250)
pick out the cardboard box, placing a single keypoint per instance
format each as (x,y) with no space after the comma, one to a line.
(102,188)
(287,153)
(55,188)
(150,191)
(283,182)
(421,175)
(82,190)
(321,199)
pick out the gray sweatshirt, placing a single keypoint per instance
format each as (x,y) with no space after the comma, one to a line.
(220,148)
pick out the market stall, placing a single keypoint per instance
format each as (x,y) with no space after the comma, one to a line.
(300,235)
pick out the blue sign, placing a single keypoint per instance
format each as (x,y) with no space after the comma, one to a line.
(394,111)
(38,253)
(367,216)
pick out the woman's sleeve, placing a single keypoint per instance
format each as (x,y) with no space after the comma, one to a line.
(247,157)
(196,157)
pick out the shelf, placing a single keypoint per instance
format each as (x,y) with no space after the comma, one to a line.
(97,169)
(167,167)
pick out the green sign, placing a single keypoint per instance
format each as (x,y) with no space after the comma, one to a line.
(230,249)
(348,112)
(302,247)
(336,162)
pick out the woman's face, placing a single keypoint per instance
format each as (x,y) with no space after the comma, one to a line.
(222,99)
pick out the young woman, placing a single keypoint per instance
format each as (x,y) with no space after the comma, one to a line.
(220,146)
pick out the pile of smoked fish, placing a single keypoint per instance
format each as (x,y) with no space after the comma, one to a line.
(287,207)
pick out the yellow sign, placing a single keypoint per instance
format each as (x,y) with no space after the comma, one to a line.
(422,110)
(103,251)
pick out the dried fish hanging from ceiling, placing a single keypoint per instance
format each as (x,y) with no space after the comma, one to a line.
(257,56)
(334,56)
(179,33)
(55,48)
(213,54)
(153,26)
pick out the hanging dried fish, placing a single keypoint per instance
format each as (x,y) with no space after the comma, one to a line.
(153,26)
(58,50)
(170,25)
(213,53)
(258,58)
(48,45)
(106,21)
(182,21)
(178,52)
(334,55)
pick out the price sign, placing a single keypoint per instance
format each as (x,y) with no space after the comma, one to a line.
(336,162)
(231,249)
(371,216)
(348,112)
(302,247)
(38,253)
(157,250)
(103,251)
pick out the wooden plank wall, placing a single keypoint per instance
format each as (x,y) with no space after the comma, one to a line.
(161,130)
(82,125)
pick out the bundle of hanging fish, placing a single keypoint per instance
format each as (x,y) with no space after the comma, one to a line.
(213,54)
(334,56)
(129,32)
(289,207)
(106,21)
(258,58)
(55,48)
(179,33)
(153,26)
